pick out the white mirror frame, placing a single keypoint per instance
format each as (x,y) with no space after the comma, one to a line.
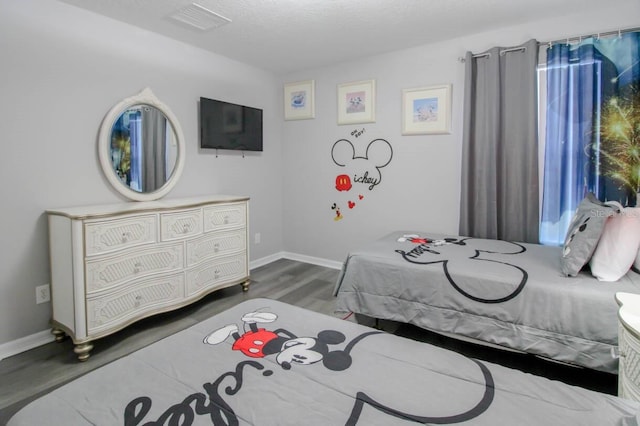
(145,97)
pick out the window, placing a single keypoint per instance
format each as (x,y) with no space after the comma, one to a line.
(589,127)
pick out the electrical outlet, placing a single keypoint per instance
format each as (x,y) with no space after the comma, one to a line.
(256,238)
(43,294)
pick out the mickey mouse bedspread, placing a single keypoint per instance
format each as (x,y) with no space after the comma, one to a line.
(267,363)
(505,293)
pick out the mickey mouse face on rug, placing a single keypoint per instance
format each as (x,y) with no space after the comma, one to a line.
(478,269)
(364,169)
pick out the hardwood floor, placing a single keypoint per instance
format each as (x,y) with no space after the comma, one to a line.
(28,375)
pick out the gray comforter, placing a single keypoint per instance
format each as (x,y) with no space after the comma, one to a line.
(267,363)
(509,294)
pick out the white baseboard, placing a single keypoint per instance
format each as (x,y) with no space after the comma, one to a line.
(265,260)
(333,264)
(24,344)
(42,338)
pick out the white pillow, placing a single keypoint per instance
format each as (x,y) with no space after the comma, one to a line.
(618,247)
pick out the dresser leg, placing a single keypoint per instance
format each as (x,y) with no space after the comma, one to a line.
(245,285)
(59,334)
(82,350)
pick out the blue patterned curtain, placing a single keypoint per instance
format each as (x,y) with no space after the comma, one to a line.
(593,128)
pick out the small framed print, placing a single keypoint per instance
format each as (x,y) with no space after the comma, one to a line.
(357,102)
(426,110)
(299,100)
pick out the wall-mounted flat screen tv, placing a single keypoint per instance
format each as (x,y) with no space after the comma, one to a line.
(224,125)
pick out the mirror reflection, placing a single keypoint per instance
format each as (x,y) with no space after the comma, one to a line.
(143,148)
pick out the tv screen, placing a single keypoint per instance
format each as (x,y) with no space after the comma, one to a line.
(224,125)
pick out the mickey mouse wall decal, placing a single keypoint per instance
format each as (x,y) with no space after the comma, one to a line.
(343,183)
(366,169)
(336,208)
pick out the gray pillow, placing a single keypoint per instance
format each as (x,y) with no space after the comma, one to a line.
(583,234)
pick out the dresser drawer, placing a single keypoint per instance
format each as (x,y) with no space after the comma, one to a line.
(208,276)
(133,302)
(180,224)
(215,244)
(225,216)
(105,236)
(106,272)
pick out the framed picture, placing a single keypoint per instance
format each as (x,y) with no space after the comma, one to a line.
(426,110)
(357,102)
(299,100)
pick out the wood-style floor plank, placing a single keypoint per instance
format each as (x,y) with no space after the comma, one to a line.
(28,375)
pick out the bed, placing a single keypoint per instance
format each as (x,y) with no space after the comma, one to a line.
(503,293)
(264,362)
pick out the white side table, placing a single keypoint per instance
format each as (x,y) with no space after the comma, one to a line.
(629,345)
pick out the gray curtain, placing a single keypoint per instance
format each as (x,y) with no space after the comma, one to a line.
(154,149)
(500,196)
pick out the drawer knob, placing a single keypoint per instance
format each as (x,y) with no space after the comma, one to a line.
(185,228)
(138,300)
(137,267)
(216,247)
(226,220)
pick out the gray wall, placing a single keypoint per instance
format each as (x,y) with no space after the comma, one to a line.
(61,71)
(63,68)
(420,187)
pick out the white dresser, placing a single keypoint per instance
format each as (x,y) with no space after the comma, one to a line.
(114,264)
(629,345)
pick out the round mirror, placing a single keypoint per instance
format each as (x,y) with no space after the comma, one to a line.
(141,147)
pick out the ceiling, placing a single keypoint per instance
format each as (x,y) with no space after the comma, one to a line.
(290,35)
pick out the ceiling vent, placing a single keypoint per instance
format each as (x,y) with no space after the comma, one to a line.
(199,17)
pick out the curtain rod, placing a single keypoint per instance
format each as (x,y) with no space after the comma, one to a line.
(596,35)
(502,52)
(566,40)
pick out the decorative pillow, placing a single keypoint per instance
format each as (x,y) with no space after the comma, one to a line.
(583,234)
(618,246)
